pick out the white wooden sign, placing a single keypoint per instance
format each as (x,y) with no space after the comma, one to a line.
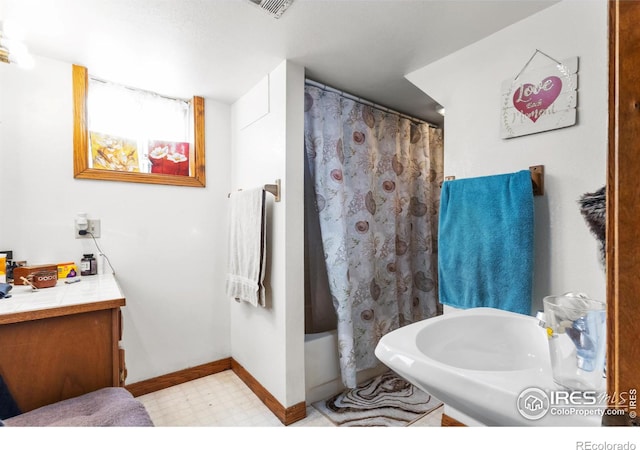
(540,100)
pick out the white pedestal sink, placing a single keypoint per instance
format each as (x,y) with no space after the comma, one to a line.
(491,365)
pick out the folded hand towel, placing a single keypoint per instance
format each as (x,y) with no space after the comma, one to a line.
(485,242)
(245,273)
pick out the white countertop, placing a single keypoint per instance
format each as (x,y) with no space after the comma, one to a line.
(91,289)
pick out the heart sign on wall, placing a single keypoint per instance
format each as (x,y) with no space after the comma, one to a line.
(540,100)
(533,100)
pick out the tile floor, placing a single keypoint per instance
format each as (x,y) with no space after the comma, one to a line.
(223,400)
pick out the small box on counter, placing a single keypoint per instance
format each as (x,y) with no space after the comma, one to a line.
(67,270)
(44,278)
(27,271)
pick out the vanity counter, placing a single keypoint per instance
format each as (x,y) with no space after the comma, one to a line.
(91,293)
(63,341)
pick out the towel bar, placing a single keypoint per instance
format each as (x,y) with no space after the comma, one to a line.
(537,179)
(274,189)
(271,188)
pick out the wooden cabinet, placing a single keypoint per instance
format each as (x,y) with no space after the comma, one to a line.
(63,341)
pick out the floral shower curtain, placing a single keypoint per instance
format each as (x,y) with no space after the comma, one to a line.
(377,186)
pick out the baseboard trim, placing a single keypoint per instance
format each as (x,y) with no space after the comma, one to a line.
(179,377)
(451,422)
(286,415)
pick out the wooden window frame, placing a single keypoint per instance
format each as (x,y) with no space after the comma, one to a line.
(81,169)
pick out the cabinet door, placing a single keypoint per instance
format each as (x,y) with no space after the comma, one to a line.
(47,360)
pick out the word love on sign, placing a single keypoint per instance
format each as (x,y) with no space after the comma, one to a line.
(533,100)
(540,100)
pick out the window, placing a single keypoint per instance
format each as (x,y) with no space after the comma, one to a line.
(124,134)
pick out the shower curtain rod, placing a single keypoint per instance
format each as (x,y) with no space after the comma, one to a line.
(366,102)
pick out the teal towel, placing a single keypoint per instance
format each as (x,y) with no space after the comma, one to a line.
(485,242)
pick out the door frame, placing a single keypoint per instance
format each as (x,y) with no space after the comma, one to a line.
(623,210)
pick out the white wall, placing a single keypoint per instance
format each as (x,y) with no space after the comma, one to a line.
(267,130)
(167,244)
(467,83)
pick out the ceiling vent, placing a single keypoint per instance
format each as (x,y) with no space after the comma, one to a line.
(274,7)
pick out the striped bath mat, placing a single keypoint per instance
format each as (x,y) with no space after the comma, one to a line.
(384,401)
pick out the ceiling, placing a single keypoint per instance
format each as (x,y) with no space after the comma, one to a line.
(219,49)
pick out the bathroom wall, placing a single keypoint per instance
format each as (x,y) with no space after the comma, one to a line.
(267,144)
(467,83)
(167,244)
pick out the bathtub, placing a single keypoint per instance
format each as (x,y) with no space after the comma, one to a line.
(322,367)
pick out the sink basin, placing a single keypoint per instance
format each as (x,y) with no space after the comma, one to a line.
(478,362)
(477,341)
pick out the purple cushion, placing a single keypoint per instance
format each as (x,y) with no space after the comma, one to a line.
(107,407)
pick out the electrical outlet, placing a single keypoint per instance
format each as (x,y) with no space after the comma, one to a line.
(93,229)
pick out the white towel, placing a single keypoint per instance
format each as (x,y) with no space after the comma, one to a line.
(245,274)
